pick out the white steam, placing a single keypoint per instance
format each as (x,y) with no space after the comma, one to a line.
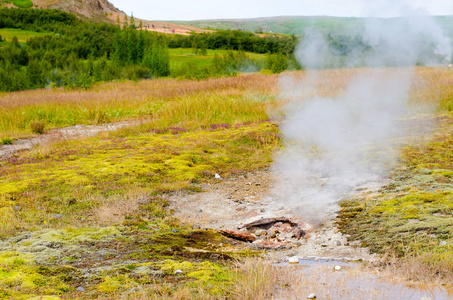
(335,145)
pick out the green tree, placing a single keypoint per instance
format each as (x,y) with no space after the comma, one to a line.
(157,59)
(132,47)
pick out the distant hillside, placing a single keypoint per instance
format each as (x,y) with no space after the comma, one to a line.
(87,9)
(297,25)
(99,11)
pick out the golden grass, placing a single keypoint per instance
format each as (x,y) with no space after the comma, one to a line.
(118,101)
(152,99)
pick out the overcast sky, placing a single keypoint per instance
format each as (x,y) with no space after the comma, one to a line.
(219,9)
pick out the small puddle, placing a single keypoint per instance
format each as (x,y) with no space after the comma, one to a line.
(352,282)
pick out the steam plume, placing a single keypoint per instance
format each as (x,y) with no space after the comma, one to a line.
(334,145)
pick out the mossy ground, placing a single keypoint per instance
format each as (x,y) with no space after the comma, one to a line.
(69,179)
(50,197)
(413,215)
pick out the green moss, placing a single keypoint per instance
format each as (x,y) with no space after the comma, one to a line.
(20,278)
(147,162)
(215,276)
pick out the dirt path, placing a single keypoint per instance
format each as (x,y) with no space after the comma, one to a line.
(60,134)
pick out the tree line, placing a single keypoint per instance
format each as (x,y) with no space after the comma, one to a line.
(76,53)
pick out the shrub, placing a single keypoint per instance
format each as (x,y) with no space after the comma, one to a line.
(38,127)
(277,62)
(7,141)
(136,72)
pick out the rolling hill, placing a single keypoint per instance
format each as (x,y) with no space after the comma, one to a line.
(298,24)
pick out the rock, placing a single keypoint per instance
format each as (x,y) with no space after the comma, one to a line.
(174,230)
(272,233)
(57,216)
(293,260)
(338,243)
(443,243)
(311,296)
(262,210)
(260,232)
(178,272)
(81,289)
(17,208)
(337,268)
(196,227)
(299,233)
(267,221)
(242,236)
(297,243)
(217,176)
(200,210)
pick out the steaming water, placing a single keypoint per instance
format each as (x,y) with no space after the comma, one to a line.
(334,145)
(319,277)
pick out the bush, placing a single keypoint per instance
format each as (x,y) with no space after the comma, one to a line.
(277,62)
(7,141)
(38,127)
(136,72)
(23,3)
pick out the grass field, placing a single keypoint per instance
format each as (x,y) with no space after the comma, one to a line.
(185,59)
(22,35)
(98,204)
(166,102)
(179,56)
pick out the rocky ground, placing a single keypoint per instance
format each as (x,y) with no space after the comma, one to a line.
(231,203)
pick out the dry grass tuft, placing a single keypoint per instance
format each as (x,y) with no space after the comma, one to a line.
(113,210)
(38,127)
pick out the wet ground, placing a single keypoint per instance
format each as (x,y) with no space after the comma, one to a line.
(352,281)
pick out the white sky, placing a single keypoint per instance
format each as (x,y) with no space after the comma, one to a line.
(219,9)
